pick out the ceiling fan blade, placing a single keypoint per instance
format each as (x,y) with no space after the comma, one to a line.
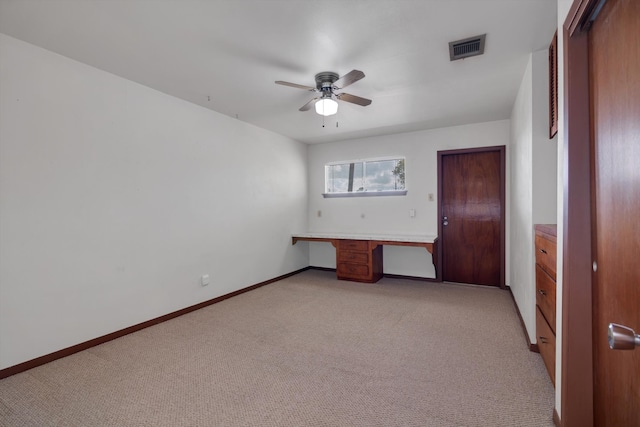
(349,78)
(353,99)
(308,105)
(309,88)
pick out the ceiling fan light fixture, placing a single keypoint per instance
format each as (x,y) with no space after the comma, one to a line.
(326,107)
(326,82)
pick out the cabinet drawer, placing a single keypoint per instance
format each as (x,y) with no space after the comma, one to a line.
(546,255)
(358,271)
(546,296)
(546,344)
(354,257)
(353,245)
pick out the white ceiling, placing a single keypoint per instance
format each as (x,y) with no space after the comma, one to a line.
(226,54)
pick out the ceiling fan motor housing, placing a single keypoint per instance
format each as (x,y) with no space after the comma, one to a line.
(324,82)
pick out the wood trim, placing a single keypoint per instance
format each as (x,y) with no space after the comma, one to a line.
(24,366)
(387,275)
(578,15)
(503,202)
(333,242)
(532,347)
(577,347)
(553,86)
(503,167)
(419,279)
(322,268)
(550,231)
(427,246)
(556,418)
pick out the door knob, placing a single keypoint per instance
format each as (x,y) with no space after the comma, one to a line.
(622,337)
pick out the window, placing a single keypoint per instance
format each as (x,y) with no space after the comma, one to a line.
(379,177)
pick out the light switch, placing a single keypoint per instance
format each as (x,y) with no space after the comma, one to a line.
(412,213)
(204,280)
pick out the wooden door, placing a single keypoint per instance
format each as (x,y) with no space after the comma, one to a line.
(614,79)
(471,227)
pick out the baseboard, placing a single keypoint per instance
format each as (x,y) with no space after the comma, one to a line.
(532,347)
(556,418)
(24,366)
(390,276)
(421,279)
(321,268)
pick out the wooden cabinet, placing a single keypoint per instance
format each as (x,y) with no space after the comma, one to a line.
(546,344)
(545,244)
(359,260)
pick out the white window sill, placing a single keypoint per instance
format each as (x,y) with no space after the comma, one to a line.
(365,194)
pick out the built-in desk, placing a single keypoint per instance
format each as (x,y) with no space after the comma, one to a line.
(359,256)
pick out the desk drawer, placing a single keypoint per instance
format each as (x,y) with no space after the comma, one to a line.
(546,296)
(354,257)
(546,255)
(357,271)
(353,245)
(546,344)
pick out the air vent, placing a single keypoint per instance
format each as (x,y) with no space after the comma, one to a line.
(465,48)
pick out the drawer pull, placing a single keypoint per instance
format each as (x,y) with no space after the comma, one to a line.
(542,292)
(543,340)
(543,251)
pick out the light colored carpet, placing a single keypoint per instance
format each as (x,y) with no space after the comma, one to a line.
(306,351)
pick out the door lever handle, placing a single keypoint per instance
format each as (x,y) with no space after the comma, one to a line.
(622,337)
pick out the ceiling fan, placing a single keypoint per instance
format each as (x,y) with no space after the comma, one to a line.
(326,83)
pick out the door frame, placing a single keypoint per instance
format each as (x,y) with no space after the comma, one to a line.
(503,168)
(577,302)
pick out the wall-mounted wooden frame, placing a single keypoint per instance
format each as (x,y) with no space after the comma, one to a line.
(553,86)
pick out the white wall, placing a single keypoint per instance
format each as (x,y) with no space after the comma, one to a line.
(521,159)
(116,198)
(544,150)
(533,177)
(390,214)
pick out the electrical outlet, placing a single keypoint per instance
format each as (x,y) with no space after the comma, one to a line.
(319,213)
